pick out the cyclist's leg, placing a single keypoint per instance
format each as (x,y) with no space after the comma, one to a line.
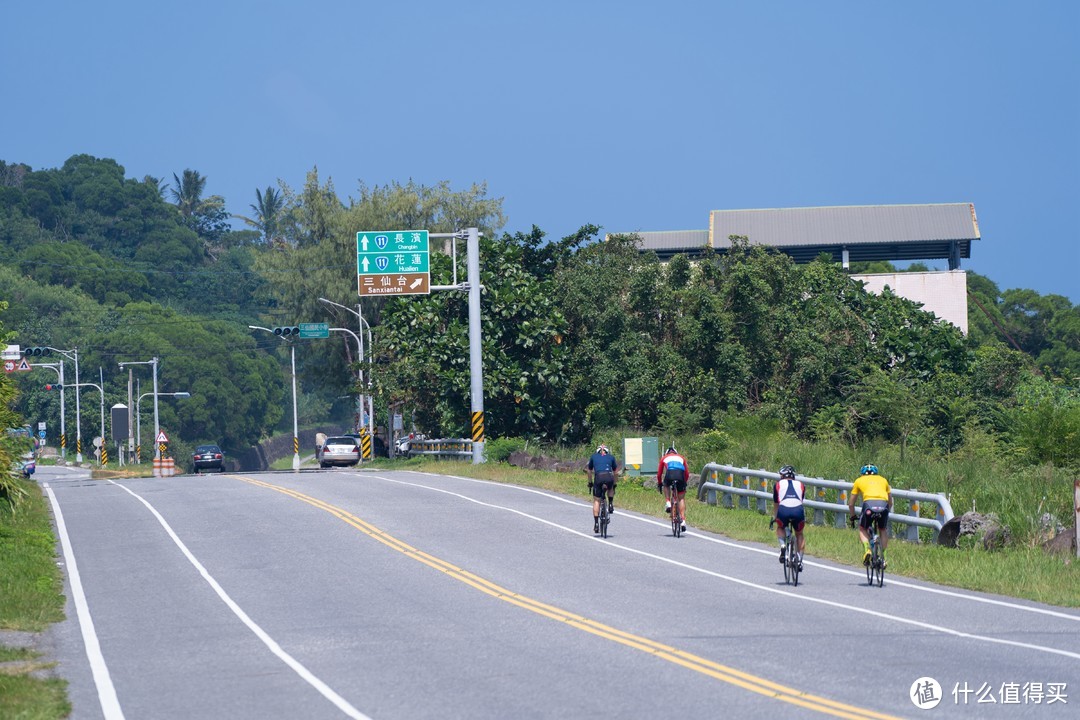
(883,532)
(680,489)
(864,533)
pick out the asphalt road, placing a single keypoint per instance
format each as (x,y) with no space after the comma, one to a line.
(388,595)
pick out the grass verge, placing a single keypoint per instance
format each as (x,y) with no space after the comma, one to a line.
(30,599)
(1019,572)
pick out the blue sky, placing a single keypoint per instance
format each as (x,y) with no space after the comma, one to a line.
(628,115)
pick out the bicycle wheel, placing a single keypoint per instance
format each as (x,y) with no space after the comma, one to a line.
(676,521)
(603,517)
(793,558)
(879,567)
(870,567)
(787,561)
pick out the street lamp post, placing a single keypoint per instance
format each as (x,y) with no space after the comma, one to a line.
(138,420)
(58,368)
(95,385)
(363,324)
(360,350)
(296,429)
(157,425)
(73,354)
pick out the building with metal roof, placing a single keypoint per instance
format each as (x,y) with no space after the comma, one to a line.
(847,233)
(856,233)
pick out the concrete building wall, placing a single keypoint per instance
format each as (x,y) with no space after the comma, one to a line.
(943,293)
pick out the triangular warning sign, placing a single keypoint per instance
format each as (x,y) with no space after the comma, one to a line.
(24,366)
(161,437)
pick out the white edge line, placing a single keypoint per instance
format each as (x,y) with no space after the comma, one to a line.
(110,704)
(831,568)
(739,581)
(324,689)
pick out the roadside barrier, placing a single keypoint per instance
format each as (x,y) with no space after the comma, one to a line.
(828,500)
(451,448)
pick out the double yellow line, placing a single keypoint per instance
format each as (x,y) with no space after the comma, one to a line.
(690,661)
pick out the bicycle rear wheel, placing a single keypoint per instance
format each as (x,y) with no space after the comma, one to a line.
(787,563)
(676,521)
(879,567)
(793,559)
(603,516)
(870,567)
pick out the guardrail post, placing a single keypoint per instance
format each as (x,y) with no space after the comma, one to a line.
(710,496)
(840,519)
(744,500)
(762,503)
(941,522)
(728,502)
(913,511)
(819,514)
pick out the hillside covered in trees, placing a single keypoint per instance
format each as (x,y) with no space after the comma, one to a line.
(580,335)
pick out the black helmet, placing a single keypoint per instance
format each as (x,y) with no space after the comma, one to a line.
(671,449)
(787,472)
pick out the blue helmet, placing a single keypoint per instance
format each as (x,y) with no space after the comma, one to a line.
(868,470)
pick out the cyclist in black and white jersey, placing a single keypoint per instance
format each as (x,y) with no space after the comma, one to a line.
(788,496)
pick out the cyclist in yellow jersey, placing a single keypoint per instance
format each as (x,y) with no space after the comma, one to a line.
(876,505)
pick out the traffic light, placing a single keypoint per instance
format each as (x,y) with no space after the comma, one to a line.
(37,352)
(54,386)
(288,331)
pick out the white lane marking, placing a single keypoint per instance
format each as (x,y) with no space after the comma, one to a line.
(739,546)
(110,704)
(288,659)
(739,581)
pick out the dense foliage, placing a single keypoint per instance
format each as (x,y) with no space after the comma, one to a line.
(579,335)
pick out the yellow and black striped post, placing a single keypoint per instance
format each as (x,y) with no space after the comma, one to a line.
(63,441)
(365,444)
(138,454)
(78,445)
(296,446)
(478,426)
(104,454)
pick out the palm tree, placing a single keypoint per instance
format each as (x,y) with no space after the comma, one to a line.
(188,192)
(268,209)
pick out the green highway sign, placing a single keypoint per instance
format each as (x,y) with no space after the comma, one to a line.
(378,263)
(393,262)
(309,331)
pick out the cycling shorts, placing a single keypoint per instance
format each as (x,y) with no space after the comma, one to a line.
(680,485)
(874,511)
(599,480)
(796,517)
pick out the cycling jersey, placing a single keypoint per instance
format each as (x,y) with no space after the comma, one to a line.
(788,493)
(871,487)
(603,463)
(673,470)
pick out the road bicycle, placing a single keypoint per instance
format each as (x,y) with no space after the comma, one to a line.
(676,518)
(875,570)
(605,518)
(792,561)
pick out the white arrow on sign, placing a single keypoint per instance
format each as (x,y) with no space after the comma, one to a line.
(365,263)
(363,243)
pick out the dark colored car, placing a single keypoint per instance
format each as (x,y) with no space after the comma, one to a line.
(208,457)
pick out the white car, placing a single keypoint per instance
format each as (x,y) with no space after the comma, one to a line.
(338,450)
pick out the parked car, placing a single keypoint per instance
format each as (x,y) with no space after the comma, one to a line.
(338,450)
(208,457)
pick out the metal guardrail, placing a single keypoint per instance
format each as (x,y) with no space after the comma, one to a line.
(453,447)
(830,496)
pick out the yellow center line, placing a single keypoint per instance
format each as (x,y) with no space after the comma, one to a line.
(707,667)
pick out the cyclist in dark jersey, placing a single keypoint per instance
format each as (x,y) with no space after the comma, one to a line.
(602,470)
